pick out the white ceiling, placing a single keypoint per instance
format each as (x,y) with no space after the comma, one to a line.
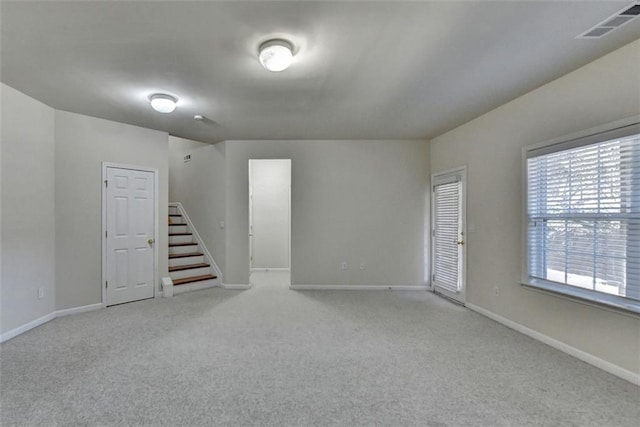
(362,70)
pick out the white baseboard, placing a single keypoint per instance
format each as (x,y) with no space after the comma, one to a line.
(235,286)
(27,327)
(47,318)
(616,370)
(77,310)
(359,287)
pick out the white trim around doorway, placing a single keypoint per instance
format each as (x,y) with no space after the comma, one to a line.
(156,225)
(436,178)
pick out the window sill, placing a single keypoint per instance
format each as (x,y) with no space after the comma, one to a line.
(585,296)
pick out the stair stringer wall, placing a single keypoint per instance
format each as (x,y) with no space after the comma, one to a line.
(215,270)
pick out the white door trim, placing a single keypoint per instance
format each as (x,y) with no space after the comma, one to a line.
(156,225)
(250,218)
(462,171)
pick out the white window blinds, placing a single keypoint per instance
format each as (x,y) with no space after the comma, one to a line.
(447,213)
(583,212)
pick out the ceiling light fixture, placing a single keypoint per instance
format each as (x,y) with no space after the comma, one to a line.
(163,103)
(276,54)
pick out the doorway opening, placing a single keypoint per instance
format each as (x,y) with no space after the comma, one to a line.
(270,218)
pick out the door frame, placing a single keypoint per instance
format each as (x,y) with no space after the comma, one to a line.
(462,171)
(250,234)
(156,225)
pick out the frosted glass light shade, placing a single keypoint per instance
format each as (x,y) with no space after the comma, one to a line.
(276,55)
(163,103)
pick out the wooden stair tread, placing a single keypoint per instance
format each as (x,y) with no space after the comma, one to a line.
(190,254)
(183,244)
(180,234)
(175,224)
(188,266)
(175,215)
(186,280)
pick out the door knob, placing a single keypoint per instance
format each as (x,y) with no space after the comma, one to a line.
(151,242)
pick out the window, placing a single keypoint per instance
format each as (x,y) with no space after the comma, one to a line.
(583,217)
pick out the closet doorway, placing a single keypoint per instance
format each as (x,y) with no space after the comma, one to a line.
(270,214)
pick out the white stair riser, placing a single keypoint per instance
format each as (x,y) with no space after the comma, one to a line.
(173,210)
(196,286)
(190,273)
(183,249)
(180,239)
(186,260)
(178,229)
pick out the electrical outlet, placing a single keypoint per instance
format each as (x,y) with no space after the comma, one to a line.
(362,266)
(40,293)
(343,265)
(496,291)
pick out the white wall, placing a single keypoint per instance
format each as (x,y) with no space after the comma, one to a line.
(601,92)
(82,143)
(200,186)
(352,201)
(270,182)
(27,198)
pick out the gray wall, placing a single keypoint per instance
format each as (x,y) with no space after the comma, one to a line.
(353,201)
(51,224)
(601,92)
(200,186)
(82,143)
(27,197)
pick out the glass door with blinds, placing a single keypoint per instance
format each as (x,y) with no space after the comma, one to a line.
(448,234)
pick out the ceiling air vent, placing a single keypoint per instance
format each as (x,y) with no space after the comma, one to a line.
(611,23)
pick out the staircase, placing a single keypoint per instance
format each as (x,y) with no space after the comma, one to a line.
(189,267)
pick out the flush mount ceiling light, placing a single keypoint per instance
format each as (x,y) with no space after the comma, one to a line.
(276,54)
(163,103)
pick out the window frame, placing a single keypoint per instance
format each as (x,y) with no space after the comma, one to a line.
(618,129)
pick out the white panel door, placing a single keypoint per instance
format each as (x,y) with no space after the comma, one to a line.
(269,194)
(448,234)
(130,246)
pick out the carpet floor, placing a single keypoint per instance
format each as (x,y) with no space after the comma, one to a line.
(274,356)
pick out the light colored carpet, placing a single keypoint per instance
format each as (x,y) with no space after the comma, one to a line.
(273,356)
